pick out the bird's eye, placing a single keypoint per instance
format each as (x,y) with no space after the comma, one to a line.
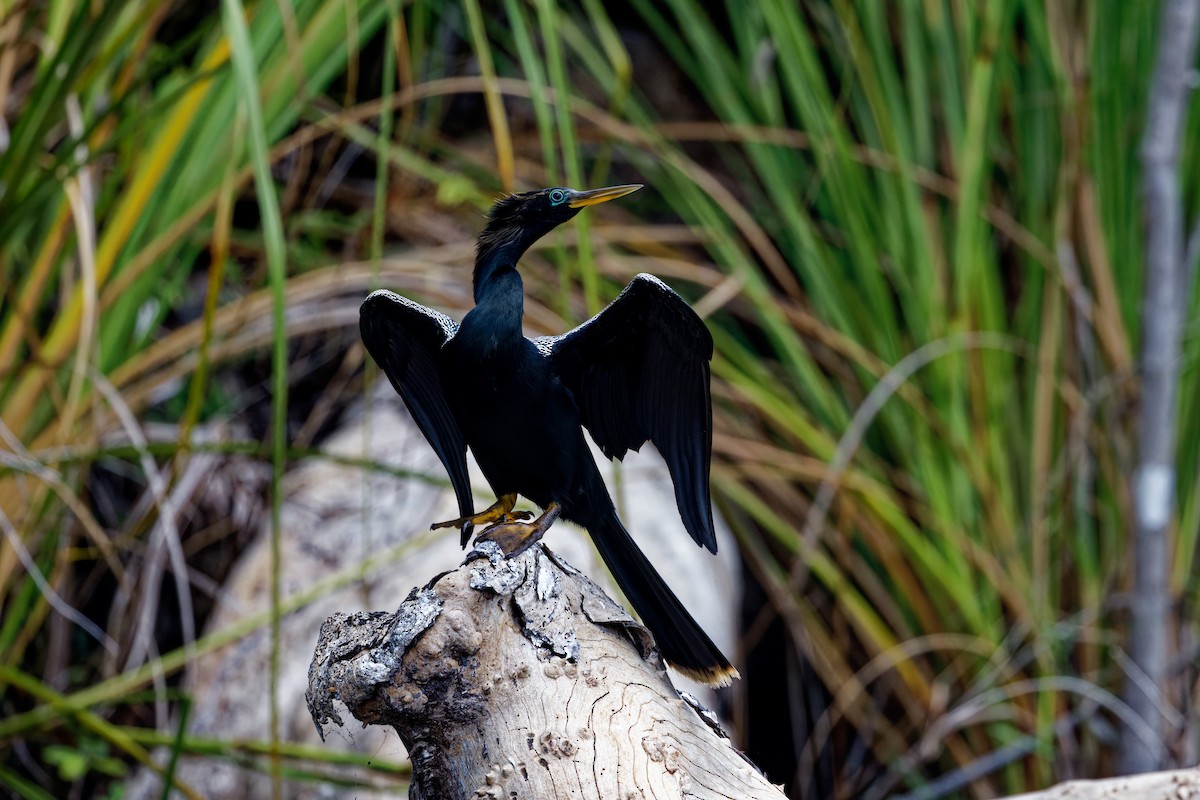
(557,196)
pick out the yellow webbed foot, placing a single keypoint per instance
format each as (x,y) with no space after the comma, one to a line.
(499,511)
(515,538)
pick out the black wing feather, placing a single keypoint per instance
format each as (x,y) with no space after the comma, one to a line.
(639,371)
(406,339)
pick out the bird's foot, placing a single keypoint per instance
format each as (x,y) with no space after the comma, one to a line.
(515,538)
(499,511)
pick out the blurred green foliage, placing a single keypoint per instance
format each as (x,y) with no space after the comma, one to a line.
(914,228)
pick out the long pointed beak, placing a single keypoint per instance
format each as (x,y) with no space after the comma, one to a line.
(594,196)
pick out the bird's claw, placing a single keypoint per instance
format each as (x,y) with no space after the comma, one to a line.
(513,538)
(471,522)
(499,511)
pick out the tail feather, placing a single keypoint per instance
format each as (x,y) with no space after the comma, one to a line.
(681,640)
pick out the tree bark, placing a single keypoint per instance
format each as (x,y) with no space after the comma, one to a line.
(1162,314)
(521,678)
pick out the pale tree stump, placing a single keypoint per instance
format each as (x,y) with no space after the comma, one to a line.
(521,679)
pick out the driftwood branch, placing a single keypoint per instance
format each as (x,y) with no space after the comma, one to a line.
(1173,785)
(1162,315)
(521,678)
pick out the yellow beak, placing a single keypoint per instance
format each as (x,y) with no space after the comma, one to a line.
(594,196)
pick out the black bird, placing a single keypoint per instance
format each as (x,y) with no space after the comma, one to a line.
(637,371)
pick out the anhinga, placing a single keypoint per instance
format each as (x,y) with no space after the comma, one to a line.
(637,371)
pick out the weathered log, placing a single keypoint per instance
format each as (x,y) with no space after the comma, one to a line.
(520,678)
(1179,784)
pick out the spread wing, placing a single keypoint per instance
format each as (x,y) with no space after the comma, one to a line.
(639,371)
(406,339)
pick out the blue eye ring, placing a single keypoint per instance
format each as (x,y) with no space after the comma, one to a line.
(557,197)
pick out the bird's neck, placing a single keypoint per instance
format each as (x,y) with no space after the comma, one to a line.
(499,305)
(498,251)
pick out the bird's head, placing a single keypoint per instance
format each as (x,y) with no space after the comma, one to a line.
(518,220)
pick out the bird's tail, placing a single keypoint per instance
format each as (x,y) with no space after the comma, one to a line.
(682,642)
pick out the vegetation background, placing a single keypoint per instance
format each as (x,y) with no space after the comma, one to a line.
(916,232)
